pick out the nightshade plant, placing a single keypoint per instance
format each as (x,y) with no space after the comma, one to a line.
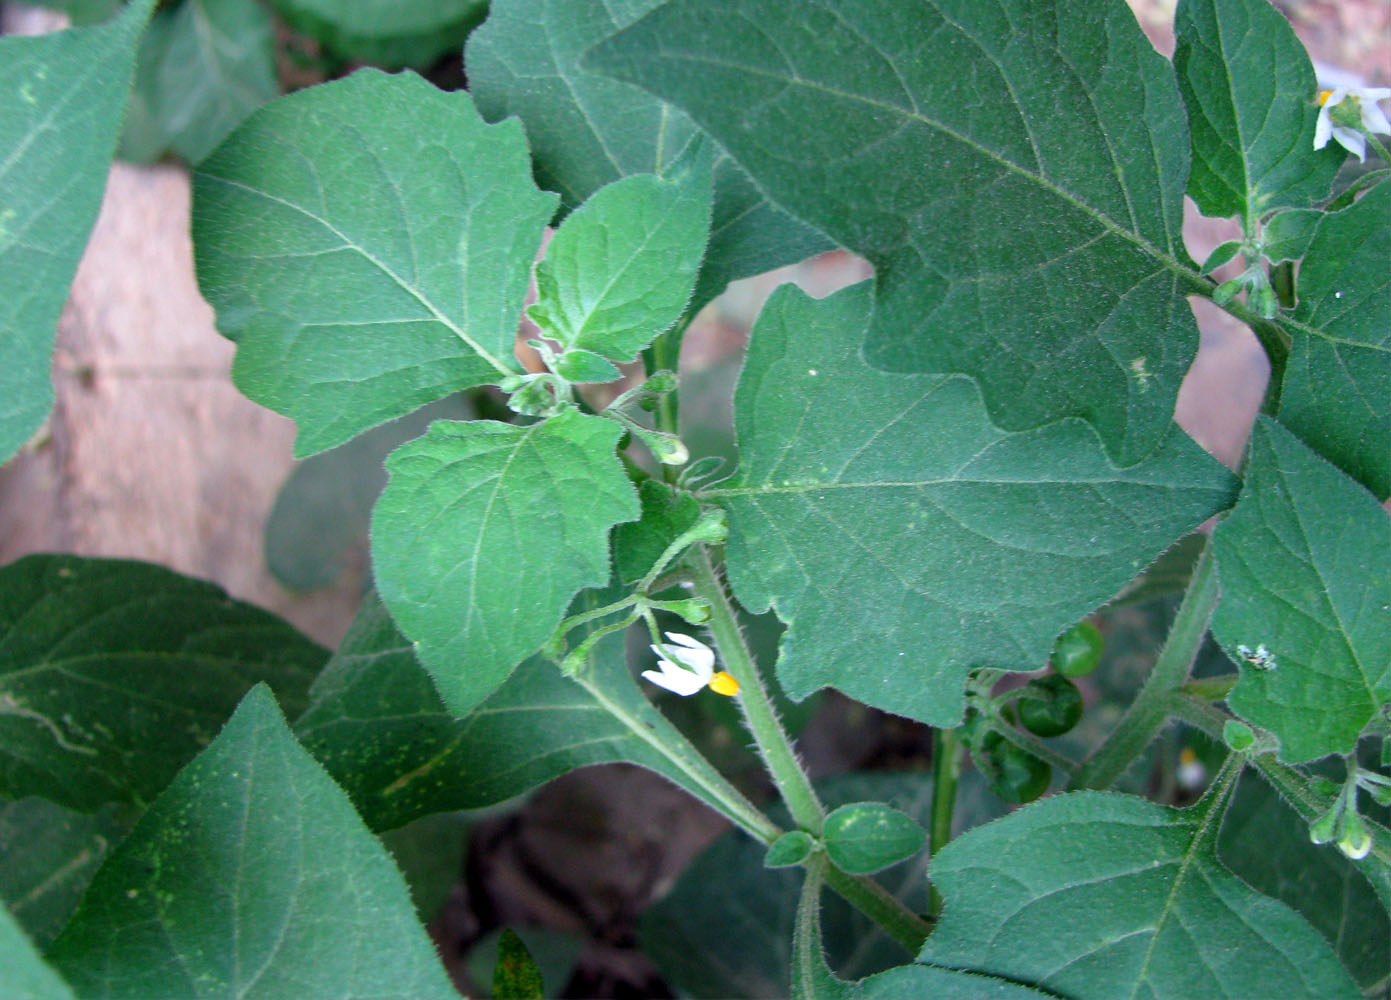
(941,473)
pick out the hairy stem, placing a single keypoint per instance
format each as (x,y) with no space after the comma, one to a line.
(946,773)
(761,718)
(1149,712)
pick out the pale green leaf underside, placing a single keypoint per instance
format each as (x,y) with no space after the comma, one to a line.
(904,538)
(250,876)
(23,974)
(1302,561)
(1337,391)
(587,130)
(622,266)
(368,245)
(1249,88)
(387,33)
(61,99)
(113,674)
(379,727)
(1014,170)
(484,534)
(1096,895)
(203,67)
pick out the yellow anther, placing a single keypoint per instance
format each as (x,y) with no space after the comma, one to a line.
(723,683)
(1324,95)
(1187,758)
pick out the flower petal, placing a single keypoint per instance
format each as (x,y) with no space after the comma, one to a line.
(677,680)
(1374,119)
(1353,142)
(1323,128)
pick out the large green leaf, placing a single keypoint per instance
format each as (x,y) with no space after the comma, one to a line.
(1266,844)
(203,67)
(484,534)
(368,244)
(587,131)
(1101,895)
(61,99)
(380,728)
(48,854)
(621,268)
(250,876)
(389,33)
(1014,171)
(113,674)
(1249,88)
(1303,567)
(904,538)
(23,974)
(1337,390)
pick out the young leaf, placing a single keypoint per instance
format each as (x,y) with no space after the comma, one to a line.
(1093,895)
(475,515)
(1337,390)
(48,854)
(1249,88)
(950,544)
(203,67)
(621,267)
(1014,171)
(382,732)
(587,131)
(865,837)
(1303,570)
(61,99)
(368,245)
(113,674)
(389,33)
(517,976)
(250,875)
(665,515)
(23,974)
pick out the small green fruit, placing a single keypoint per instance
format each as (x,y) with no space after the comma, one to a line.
(1078,650)
(1051,705)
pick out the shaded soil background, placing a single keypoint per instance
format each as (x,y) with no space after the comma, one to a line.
(152,454)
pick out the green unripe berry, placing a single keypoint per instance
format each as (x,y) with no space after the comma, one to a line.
(1078,650)
(1050,706)
(1015,775)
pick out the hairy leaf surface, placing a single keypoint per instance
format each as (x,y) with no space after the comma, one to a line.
(484,534)
(904,538)
(1337,391)
(1014,171)
(1303,567)
(368,245)
(23,974)
(250,876)
(61,100)
(378,725)
(1093,895)
(587,130)
(113,674)
(1249,88)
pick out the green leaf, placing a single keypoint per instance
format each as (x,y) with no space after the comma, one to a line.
(666,514)
(389,33)
(579,367)
(430,853)
(1287,235)
(83,12)
(621,268)
(1267,846)
(113,674)
(250,875)
(23,974)
(203,67)
(1337,389)
(1249,88)
(587,131)
(1303,570)
(48,854)
(61,98)
(1014,172)
(790,849)
(318,526)
(368,245)
(475,514)
(516,976)
(1102,895)
(556,954)
(953,545)
(866,837)
(380,728)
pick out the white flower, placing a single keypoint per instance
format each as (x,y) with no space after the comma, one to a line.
(687,665)
(1347,124)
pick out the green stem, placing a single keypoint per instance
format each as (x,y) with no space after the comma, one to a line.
(881,906)
(760,716)
(1031,744)
(946,774)
(1148,713)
